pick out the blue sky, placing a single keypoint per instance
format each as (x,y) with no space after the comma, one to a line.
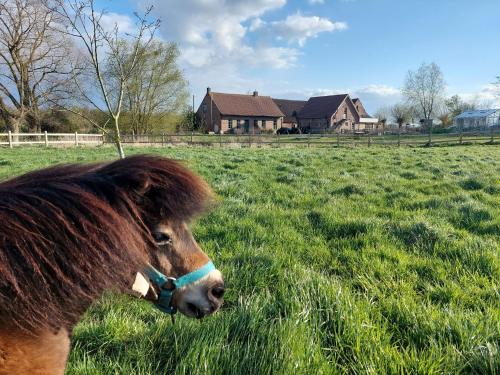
(295,49)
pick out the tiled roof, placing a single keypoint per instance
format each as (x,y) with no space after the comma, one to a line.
(290,108)
(322,106)
(479,113)
(246,105)
(362,111)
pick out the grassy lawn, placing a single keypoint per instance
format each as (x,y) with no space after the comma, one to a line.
(367,260)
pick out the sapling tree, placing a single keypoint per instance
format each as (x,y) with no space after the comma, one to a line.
(112,58)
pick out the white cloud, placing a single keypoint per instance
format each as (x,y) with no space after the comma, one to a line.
(298,28)
(214,22)
(379,90)
(123,22)
(487,96)
(312,2)
(214,32)
(256,24)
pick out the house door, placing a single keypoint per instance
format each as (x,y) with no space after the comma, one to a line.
(247,126)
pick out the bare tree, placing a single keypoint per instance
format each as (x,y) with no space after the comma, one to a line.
(401,114)
(424,89)
(157,86)
(112,62)
(497,84)
(34,68)
(383,114)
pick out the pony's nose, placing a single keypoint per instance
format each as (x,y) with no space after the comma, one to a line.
(199,312)
(216,293)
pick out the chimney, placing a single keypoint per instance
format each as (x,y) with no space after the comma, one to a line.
(255,93)
(209,90)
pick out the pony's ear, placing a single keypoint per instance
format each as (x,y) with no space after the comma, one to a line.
(142,184)
(137,184)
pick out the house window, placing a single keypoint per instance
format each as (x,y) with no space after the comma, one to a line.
(275,124)
(204,108)
(345,112)
(229,124)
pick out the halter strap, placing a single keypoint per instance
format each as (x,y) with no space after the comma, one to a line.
(168,285)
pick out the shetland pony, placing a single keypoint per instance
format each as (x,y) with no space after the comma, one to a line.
(69,233)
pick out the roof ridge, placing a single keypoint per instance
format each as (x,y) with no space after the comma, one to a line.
(249,95)
(328,96)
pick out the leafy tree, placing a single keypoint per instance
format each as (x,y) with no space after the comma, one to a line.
(188,121)
(446,119)
(156,88)
(455,106)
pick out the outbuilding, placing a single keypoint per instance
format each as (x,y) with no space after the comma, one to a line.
(482,118)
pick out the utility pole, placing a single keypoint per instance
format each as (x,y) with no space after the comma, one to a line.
(194,117)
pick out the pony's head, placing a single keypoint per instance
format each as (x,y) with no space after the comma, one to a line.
(164,196)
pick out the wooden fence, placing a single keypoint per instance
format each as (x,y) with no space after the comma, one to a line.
(48,139)
(310,140)
(252,140)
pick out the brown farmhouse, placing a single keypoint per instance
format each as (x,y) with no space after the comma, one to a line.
(236,113)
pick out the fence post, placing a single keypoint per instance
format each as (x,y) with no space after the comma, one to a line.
(76,139)
(103,137)
(220,139)
(46,138)
(162,139)
(369,140)
(492,136)
(277,135)
(10,139)
(338,140)
(192,137)
(309,140)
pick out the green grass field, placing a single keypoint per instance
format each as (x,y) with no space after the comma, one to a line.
(367,260)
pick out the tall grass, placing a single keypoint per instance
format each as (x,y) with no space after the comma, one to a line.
(336,261)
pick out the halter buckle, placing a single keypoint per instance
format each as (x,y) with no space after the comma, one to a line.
(169,284)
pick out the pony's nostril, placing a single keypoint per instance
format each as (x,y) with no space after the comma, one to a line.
(195,310)
(218,292)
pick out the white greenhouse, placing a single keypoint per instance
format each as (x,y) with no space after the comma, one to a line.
(483,118)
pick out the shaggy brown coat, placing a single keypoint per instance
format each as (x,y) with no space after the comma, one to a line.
(68,233)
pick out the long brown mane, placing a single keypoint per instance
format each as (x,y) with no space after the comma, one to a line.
(68,233)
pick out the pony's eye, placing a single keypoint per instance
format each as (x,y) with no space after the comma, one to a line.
(162,238)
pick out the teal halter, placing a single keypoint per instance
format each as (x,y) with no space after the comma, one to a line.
(168,285)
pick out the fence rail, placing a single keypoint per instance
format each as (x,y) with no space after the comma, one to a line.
(252,140)
(309,140)
(47,139)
